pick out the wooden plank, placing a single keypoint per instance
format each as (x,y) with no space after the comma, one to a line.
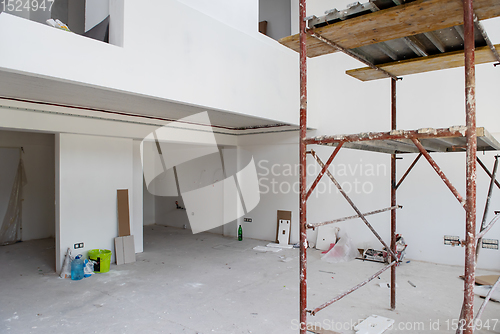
(123,213)
(396,22)
(485,140)
(484,136)
(424,64)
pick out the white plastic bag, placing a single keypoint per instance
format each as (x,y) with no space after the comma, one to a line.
(66,267)
(343,251)
(88,269)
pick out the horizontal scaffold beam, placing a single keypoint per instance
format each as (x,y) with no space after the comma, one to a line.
(454,131)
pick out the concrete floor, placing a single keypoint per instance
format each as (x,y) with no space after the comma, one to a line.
(206,283)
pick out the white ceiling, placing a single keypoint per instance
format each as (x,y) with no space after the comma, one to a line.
(25,87)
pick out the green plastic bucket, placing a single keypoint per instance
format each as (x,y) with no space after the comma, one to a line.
(103,257)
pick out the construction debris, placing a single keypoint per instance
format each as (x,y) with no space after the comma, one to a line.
(374,324)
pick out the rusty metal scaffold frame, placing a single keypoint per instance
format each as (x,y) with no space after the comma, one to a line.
(469,202)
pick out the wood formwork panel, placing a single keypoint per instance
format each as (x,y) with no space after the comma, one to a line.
(485,142)
(424,64)
(396,22)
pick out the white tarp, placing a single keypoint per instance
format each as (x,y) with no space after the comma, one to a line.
(10,230)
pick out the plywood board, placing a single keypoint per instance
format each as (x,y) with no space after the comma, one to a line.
(400,21)
(424,64)
(123,213)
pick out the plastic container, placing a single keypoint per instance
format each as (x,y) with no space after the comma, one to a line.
(103,259)
(77,268)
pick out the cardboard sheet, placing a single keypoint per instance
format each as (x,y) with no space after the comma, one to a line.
(485,279)
(123,213)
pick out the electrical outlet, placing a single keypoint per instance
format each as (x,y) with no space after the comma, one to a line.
(490,243)
(451,240)
(79,245)
(247,220)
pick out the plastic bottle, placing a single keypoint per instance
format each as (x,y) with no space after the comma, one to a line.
(77,268)
(240,233)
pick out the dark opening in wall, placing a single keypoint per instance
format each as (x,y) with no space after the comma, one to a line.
(277,15)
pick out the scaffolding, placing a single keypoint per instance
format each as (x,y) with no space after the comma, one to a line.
(369,33)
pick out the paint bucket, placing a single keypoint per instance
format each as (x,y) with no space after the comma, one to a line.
(103,259)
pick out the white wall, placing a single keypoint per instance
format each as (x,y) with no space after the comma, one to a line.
(90,170)
(277,15)
(214,65)
(38,204)
(136,198)
(340,105)
(148,205)
(95,12)
(241,14)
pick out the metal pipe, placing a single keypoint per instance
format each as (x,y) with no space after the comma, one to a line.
(342,295)
(393,197)
(348,199)
(487,228)
(302,171)
(486,299)
(470,205)
(438,170)
(353,217)
(322,172)
(409,170)
(479,26)
(349,53)
(487,171)
(487,206)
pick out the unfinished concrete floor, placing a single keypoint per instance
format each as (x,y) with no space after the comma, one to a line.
(207,283)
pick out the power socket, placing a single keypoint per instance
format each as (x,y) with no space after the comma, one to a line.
(247,220)
(79,245)
(451,240)
(490,243)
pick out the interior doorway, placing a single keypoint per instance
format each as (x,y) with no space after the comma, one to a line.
(37,213)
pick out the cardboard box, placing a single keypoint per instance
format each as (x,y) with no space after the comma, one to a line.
(124,249)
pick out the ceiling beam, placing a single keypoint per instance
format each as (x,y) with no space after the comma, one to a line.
(396,22)
(424,64)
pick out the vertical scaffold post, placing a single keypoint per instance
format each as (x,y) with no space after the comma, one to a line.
(393,196)
(302,160)
(470,222)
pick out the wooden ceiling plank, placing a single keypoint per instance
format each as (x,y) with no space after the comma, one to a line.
(396,22)
(424,64)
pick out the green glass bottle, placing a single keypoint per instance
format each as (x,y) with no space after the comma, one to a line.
(240,233)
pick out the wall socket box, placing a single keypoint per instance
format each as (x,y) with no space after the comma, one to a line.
(79,245)
(490,243)
(247,220)
(451,240)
